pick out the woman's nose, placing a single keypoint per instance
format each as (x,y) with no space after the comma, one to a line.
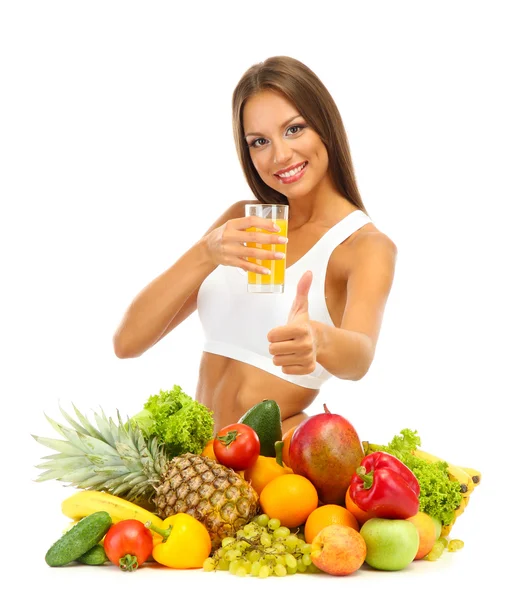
(281,152)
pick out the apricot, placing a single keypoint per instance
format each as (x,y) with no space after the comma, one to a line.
(426,528)
(338,550)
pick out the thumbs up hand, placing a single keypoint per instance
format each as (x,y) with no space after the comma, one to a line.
(293,346)
(299,310)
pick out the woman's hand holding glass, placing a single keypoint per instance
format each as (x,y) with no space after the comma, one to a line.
(226,245)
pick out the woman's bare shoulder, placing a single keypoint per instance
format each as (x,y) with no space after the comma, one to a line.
(370,239)
(368,247)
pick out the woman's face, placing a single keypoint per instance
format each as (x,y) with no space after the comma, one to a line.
(288,155)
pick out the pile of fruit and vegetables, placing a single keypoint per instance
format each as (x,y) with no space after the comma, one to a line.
(160,486)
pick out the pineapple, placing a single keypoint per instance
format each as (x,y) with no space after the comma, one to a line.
(114,457)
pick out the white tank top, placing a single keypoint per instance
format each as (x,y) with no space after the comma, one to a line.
(236,323)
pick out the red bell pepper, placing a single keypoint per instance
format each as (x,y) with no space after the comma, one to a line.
(384,487)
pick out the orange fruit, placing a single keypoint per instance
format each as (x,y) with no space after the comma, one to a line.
(208,450)
(290,498)
(360,515)
(264,470)
(286,439)
(328,514)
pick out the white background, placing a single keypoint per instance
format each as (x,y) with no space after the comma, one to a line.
(116,155)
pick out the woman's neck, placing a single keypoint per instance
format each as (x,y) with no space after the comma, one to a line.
(323,206)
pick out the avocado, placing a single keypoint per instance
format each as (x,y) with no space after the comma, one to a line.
(265,419)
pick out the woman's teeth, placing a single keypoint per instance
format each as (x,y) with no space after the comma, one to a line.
(293,171)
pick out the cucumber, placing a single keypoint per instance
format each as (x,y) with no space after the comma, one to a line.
(265,419)
(95,556)
(79,539)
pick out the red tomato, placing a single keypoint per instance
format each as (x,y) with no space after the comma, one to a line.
(128,544)
(237,446)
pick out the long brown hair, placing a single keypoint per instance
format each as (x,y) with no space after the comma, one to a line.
(303,88)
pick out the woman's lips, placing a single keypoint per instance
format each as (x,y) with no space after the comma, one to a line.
(293,178)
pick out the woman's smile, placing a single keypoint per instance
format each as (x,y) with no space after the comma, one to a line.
(292,174)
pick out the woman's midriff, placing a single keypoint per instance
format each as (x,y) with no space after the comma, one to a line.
(229,388)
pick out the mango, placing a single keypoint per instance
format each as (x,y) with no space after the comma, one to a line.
(326,449)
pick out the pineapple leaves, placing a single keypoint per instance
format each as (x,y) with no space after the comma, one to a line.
(114,458)
(86,423)
(58,445)
(89,430)
(105,426)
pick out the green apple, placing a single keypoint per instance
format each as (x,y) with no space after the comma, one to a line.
(391,544)
(438,525)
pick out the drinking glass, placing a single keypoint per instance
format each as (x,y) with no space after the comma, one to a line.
(274,281)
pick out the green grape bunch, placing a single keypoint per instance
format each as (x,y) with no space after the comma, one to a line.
(263,548)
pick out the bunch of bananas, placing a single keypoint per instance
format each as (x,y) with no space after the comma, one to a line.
(467,477)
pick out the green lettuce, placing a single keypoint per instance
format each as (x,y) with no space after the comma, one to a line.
(439,496)
(178,422)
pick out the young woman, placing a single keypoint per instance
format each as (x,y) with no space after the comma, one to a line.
(293,149)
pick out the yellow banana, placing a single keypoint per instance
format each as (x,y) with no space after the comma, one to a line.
(455,473)
(461,508)
(446,529)
(474,475)
(86,502)
(368,448)
(465,480)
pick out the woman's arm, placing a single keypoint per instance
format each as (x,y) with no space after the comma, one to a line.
(345,354)
(150,315)
(348,351)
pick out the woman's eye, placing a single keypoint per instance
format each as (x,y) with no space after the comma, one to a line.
(258,142)
(294,129)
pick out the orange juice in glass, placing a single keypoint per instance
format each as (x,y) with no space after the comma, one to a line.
(274,282)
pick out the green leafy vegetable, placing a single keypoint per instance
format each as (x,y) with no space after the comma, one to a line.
(179,422)
(439,496)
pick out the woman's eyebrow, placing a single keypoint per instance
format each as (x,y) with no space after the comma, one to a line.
(282,126)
